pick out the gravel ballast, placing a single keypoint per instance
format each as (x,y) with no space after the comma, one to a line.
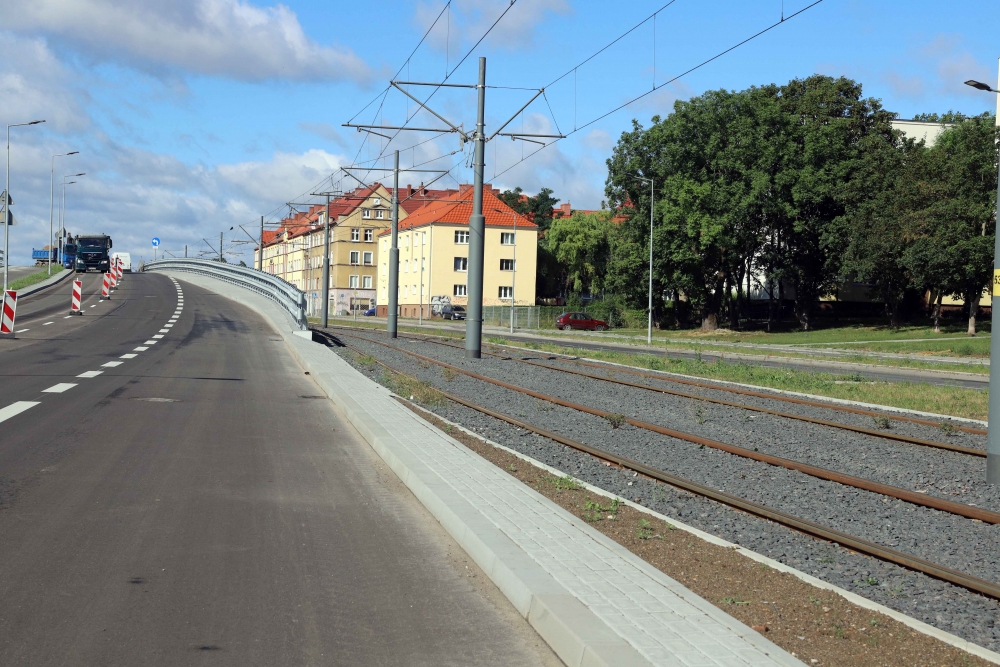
(956,542)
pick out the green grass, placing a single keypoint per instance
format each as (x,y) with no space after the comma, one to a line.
(33,278)
(955,347)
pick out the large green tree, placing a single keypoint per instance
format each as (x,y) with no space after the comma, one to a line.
(581,246)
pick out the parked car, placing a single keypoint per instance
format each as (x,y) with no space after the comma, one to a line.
(370,312)
(450,312)
(568,321)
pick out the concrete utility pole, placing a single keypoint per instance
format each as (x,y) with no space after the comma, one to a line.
(185,251)
(260,255)
(993,429)
(220,246)
(52,187)
(477,230)
(326,266)
(394,253)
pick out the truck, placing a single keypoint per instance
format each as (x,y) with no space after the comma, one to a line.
(126,259)
(69,255)
(93,252)
(45,255)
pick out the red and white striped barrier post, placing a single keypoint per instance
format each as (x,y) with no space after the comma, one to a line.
(74,307)
(106,288)
(7,317)
(119,268)
(114,278)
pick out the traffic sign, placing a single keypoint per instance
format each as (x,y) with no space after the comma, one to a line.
(156,241)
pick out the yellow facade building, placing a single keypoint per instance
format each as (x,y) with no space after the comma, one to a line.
(434,255)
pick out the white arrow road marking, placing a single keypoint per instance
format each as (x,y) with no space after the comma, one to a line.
(15,409)
(89,374)
(59,388)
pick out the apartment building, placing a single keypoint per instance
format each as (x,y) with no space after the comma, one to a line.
(434,254)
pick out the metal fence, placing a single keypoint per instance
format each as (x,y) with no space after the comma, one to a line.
(286,295)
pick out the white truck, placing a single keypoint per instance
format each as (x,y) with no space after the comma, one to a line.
(126,260)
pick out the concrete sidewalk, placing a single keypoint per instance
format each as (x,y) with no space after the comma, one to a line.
(592,600)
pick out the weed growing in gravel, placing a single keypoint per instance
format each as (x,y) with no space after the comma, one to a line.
(566,483)
(868,581)
(699,415)
(669,525)
(616,420)
(594,512)
(418,391)
(828,560)
(497,340)
(839,631)
(883,423)
(542,406)
(948,429)
(366,360)
(734,601)
(449,373)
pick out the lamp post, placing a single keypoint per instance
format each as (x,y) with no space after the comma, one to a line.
(993,429)
(649,331)
(513,266)
(62,212)
(52,181)
(6,205)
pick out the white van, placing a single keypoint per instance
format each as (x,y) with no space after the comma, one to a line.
(126,260)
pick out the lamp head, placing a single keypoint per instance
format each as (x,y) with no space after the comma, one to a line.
(979,85)
(73,153)
(36,122)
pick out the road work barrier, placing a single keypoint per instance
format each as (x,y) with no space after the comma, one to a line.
(74,306)
(118,269)
(286,295)
(114,279)
(9,309)
(106,287)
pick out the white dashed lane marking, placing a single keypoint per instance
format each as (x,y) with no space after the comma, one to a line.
(22,330)
(59,388)
(112,364)
(157,336)
(67,317)
(164,331)
(15,409)
(128,356)
(89,374)
(47,324)
(141,349)
(150,342)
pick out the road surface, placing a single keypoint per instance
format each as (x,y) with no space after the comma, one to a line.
(202,503)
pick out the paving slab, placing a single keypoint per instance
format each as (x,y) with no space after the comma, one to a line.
(592,600)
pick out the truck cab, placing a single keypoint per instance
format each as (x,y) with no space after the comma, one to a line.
(92,252)
(69,255)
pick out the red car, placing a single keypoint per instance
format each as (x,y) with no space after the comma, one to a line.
(568,321)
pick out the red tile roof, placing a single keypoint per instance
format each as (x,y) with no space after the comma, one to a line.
(456,208)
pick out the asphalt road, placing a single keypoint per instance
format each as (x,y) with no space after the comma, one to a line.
(882,373)
(202,503)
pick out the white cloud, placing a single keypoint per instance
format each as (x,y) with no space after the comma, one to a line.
(470,19)
(226,38)
(34,85)
(285,176)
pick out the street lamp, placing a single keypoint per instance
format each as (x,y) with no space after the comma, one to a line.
(6,206)
(513,267)
(52,180)
(62,212)
(993,414)
(649,331)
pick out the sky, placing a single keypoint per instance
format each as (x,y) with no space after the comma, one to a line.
(195,116)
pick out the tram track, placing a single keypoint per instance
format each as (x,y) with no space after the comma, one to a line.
(913,497)
(811,528)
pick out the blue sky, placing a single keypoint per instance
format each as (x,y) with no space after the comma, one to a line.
(198,115)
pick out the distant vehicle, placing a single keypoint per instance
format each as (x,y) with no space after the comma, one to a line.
(126,260)
(92,253)
(568,321)
(69,255)
(43,256)
(370,312)
(450,312)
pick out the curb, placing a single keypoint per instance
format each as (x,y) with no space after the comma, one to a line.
(44,284)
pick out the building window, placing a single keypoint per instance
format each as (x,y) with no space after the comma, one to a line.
(369,235)
(385,245)
(366,282)
(461,290)
(506,238)
(406,289)
(355,234)
(366,213)
(369,258)
(354,282)
(506,265)
(461,263)
(379,214)
(462,238)
(355,257)
(406,241)
(506,292)
(414,266)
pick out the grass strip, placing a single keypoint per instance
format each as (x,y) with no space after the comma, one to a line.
(33,278)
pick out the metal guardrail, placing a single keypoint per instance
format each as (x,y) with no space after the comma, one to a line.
(286,295)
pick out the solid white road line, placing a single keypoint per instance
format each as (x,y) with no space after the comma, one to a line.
(15,409)
(141,349)
(59,388)
(89,374)
(112,364)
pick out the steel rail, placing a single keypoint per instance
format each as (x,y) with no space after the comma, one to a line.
(933,502)
(860,545)
(812,420)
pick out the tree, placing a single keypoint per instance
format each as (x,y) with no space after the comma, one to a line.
(537,208)
(581,245)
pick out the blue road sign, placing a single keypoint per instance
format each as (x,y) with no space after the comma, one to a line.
(156,241)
